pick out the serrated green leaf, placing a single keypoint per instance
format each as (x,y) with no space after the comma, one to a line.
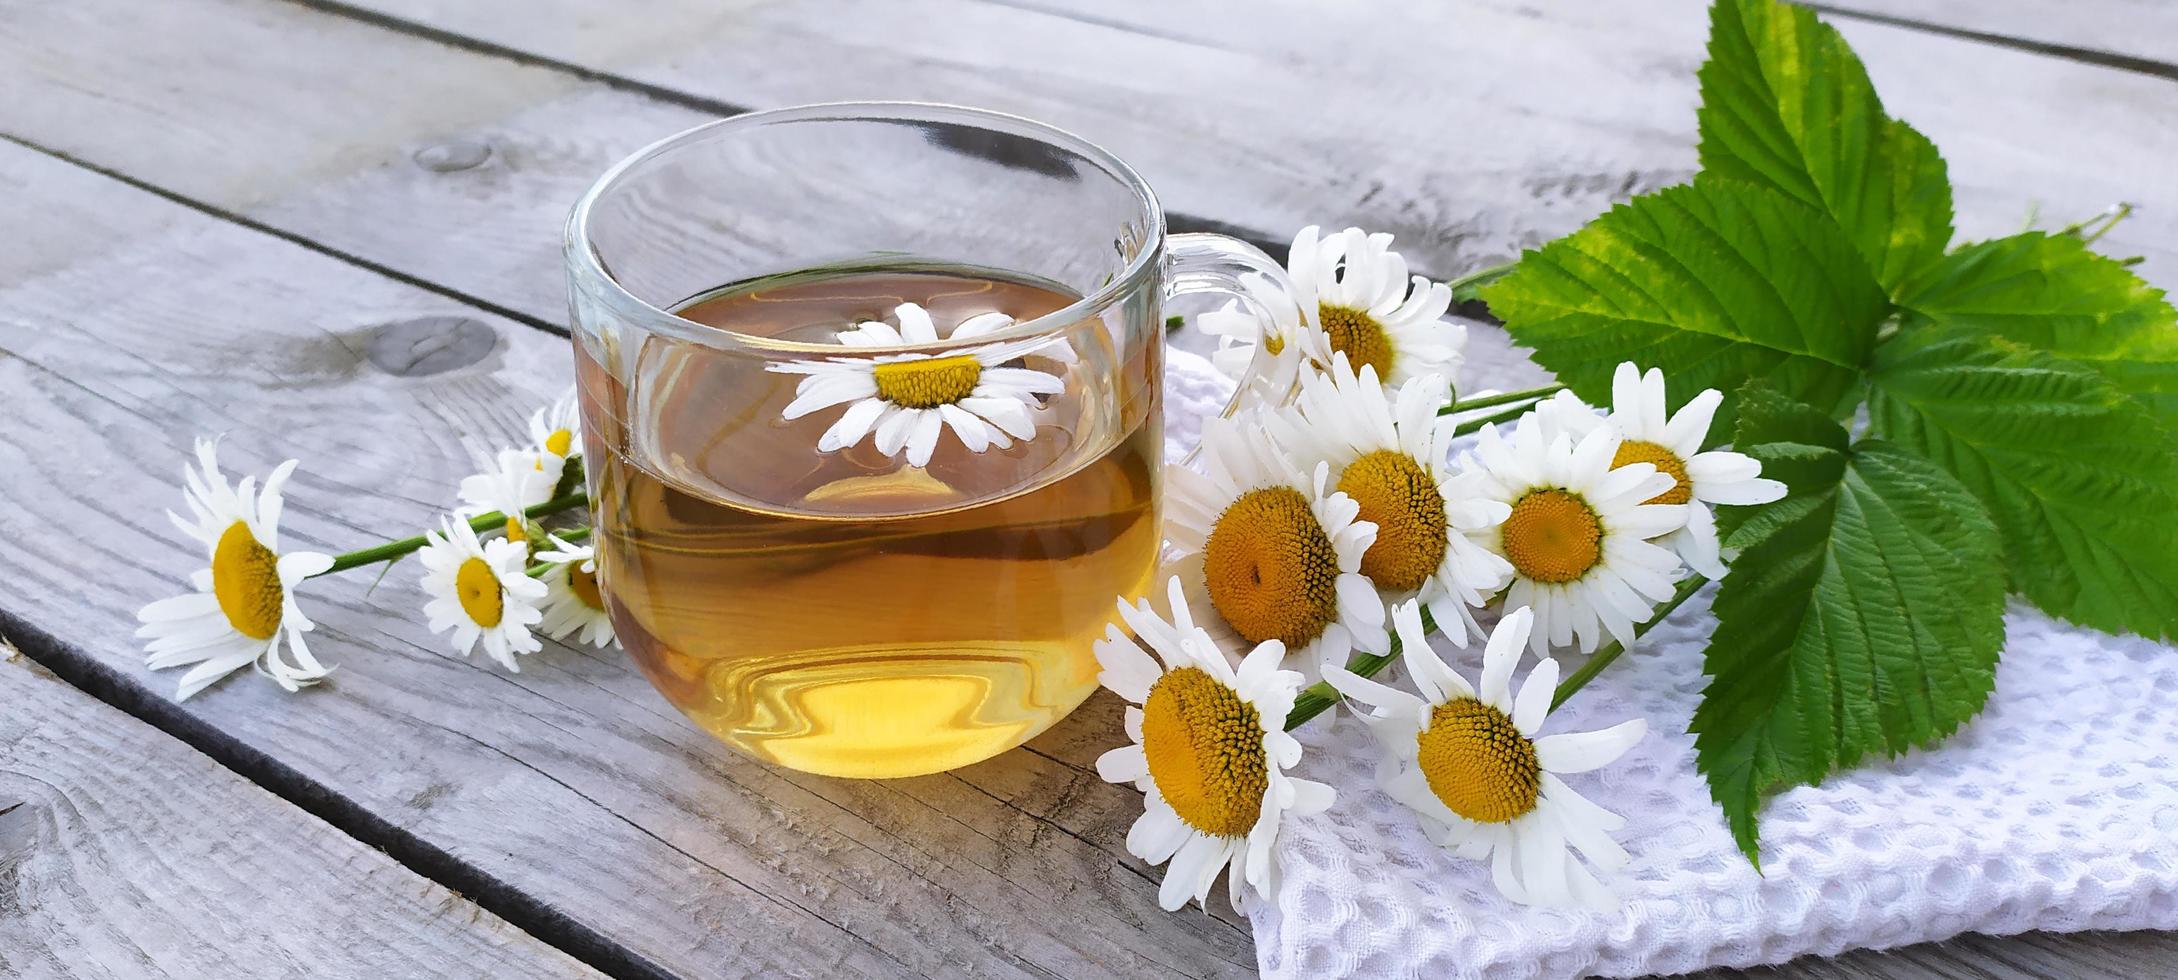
(1786,105)
(2051,292)
(1796,443)
(1863,615)
(1715,283)
(2080,479)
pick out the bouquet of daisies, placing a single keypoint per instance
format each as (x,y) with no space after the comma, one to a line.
(1348,514)
(494,590)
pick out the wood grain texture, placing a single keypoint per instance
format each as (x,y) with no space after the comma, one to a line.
(1265,118)
(1469,129)
(572,782)
(126,854)
(2140,35)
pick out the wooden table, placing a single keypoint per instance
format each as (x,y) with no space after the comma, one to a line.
(329,229)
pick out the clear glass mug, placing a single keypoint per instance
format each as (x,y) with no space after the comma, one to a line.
(917,587)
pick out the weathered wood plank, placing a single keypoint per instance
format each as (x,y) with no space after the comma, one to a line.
(571,782)
(2139,35)
(1470,129)
(1489,145)
(125,853)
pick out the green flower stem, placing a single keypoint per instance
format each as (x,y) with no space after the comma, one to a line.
(1314,700)
(395,549)
(1321,695)
(1469,286)
(1610,651)
(2107,220)
(571,535)
(1492,401)
(1472,425)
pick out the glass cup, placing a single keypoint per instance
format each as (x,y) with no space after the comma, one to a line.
(876,550)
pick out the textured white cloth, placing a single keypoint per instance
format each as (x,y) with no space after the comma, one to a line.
(2055,809)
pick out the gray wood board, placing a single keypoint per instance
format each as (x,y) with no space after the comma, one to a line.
(2136,35)
(1264,119)
(130,325)
(125,853)
(1470,129)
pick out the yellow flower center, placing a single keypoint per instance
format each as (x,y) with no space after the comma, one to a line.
(1665,461)
(1274,344)
(1357,334)
(1205,751)
(246,581)
(559,442)
(584,585)
(928,383)
(478,588)
(1552,536)
(1270,568)
(1401,499)
(1478,763)
(515,531)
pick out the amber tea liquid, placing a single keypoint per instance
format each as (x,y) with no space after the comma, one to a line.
(847,613)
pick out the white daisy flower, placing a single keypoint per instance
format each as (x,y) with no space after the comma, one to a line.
(1370,310)
(481,591)
(244,603)
(1391,454)
(1576,536)
(555,433)
(1272,549)
(1209,753)
(1673,444)
(908,400)
(516,481)
(573,605)
(1353,296)
(1467,760)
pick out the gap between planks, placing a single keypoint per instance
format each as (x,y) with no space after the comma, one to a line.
(215,211)
(420,856)
(2069,52)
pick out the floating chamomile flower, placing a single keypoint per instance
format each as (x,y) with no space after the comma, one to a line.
(555,433)
(1272,549)
(1673,444)
(244,603)
(481,591)
(908,400)
(573,604)
(1209,753)
(1576,536)
(515,482)
(1468,762)
(1391,454)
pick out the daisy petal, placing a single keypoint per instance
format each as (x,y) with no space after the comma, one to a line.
(1572,752)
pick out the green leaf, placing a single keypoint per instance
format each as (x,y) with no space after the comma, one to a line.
(2053,293)
(1716,283)
(1863,615)
(1786,105)
(2080,479)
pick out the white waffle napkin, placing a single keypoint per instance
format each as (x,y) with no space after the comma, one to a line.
(2055,809)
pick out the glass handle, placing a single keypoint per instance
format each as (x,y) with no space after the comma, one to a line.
(1199,262)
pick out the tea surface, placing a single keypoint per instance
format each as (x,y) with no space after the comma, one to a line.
(845,612)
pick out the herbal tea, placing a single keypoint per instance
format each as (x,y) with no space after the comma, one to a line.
(848,611)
